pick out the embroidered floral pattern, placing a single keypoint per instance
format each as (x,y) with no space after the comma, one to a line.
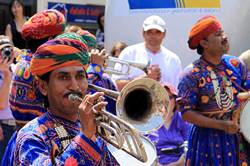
(41,140)
(223,82)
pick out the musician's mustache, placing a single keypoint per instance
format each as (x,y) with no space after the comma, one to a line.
(78,93)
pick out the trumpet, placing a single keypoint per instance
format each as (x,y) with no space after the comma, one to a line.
(122,67)
(139,107)
(118,133)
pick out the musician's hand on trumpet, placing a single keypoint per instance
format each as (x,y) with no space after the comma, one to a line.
(98,57)
(87,116)
(229,126)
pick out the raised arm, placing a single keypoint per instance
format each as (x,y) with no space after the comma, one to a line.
(5,79)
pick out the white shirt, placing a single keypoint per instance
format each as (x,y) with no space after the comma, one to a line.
(169,63)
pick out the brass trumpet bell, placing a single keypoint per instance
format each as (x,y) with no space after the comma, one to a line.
(122,67)
(140,103)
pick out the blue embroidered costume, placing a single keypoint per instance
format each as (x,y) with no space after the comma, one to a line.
(208,89)
(38,142)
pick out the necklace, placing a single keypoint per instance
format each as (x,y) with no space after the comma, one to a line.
(64,137)
(224,93)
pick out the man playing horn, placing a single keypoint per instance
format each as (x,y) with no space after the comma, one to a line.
(65,134)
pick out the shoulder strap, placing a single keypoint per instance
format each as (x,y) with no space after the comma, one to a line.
(13,27)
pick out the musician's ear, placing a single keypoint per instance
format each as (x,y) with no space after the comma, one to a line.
(43,86)
(204,43)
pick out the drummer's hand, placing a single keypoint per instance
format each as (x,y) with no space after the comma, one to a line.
(98,57)
(229,126)
(243,96)
(86,114)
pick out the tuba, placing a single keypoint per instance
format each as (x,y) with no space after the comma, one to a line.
(139,106)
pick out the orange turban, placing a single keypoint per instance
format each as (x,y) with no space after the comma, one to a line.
(202,29)
(44,24)
(67,49)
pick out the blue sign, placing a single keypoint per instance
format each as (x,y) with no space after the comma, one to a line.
(151,4)
(163,4)
(78,13)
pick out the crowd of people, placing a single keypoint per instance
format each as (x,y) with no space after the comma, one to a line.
(41,124)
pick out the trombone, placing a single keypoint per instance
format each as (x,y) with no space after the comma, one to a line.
(122,67)
(139,107)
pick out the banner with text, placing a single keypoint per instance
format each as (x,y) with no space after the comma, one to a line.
(75,13)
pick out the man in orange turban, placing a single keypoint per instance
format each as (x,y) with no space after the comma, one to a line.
(202,29)
(66,133)
(208,99)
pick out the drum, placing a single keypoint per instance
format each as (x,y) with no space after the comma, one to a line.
(125,159)
(245,121)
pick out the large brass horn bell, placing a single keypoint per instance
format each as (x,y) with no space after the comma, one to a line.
(140,103)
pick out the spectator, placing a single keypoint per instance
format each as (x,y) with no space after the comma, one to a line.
(117,49)
(100,31)
(165,66)
(171,139)
(72,28)
(13,29)
(7,122)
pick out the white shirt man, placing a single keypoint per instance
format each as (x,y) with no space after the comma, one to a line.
(165,66)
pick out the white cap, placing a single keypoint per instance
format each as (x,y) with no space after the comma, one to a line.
(154,22)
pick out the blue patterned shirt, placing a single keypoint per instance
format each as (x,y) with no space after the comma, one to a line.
(38,143)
